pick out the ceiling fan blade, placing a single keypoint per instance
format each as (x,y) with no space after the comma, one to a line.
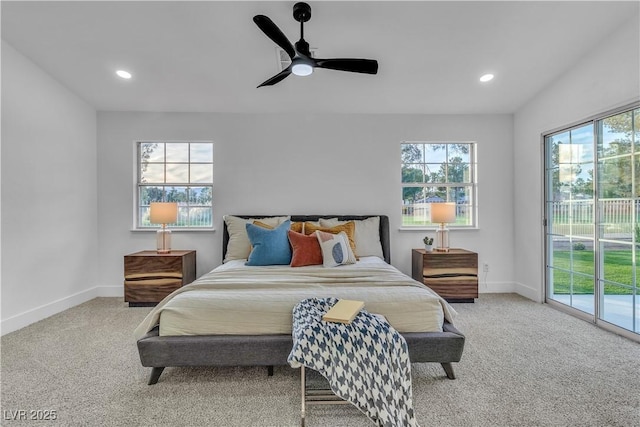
(278,77)
(272,31)
(368,66)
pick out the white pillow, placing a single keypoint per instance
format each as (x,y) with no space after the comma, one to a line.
(335,249)
(239,245)
(366,236)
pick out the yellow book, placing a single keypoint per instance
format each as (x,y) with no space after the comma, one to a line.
(344,311)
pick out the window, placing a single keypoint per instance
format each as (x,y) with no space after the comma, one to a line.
(436,172)
(179,172)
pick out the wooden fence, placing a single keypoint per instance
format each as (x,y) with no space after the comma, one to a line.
(577,217)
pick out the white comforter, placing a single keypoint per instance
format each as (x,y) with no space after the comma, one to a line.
(238,300)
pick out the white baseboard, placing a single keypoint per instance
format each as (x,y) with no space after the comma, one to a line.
(528,292)
(36,314)
(495,287)
(110,291)
(510,287)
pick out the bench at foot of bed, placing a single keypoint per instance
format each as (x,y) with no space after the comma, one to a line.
(159,352)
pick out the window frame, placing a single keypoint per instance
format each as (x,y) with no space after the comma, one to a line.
(472,184)
(138,184)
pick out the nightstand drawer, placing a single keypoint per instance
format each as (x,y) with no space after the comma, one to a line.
(153,290)
(150,276)
(453,275)
(145,264)
(451,260)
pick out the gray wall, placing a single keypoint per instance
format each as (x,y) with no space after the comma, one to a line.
(606,78)
(49,202)
(299,163)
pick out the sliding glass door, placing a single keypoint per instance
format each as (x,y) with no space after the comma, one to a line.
(618,155)
(592,211)
(571,217)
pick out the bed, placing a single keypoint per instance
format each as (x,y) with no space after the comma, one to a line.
(174,334)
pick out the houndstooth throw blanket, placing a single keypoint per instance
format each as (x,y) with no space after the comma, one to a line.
(366,361)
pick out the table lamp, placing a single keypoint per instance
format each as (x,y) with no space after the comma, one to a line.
(163,213)
(443,213)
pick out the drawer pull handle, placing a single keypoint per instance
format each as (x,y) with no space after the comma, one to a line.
(435,276)
(148,276)
(154,282)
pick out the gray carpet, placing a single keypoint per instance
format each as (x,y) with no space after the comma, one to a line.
(525,364)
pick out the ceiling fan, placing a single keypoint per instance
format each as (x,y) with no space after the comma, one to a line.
(302,64)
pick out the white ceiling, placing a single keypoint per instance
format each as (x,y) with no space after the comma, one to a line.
(209,56)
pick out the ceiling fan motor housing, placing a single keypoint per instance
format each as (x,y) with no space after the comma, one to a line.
(303,47)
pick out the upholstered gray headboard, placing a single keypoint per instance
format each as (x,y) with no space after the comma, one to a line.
(384,228)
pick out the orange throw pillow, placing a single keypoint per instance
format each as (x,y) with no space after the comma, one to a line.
(306,249)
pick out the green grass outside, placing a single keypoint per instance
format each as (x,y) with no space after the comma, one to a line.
(618,267)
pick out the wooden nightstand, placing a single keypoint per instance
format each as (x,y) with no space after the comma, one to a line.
(150,276)
(453,275)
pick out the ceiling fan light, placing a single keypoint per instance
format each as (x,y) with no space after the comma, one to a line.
(486,78)
(123,74)
(302,69)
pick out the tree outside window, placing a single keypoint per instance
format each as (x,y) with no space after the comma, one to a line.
(180,172)
(436,172)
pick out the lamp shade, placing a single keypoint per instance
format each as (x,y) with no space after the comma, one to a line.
(443,212)
(163,212)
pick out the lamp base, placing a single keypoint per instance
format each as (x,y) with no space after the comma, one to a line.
(163,241)
(442,239)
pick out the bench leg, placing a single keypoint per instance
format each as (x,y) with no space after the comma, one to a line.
(448,368)
(270,370)
(155,375)
(303,378)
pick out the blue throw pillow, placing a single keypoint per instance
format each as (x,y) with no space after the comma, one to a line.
(270,247)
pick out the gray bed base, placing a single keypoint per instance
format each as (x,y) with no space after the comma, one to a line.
(272,350)
(159,352)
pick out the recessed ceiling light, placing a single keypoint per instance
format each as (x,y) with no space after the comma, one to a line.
(124,74)
(486,78)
